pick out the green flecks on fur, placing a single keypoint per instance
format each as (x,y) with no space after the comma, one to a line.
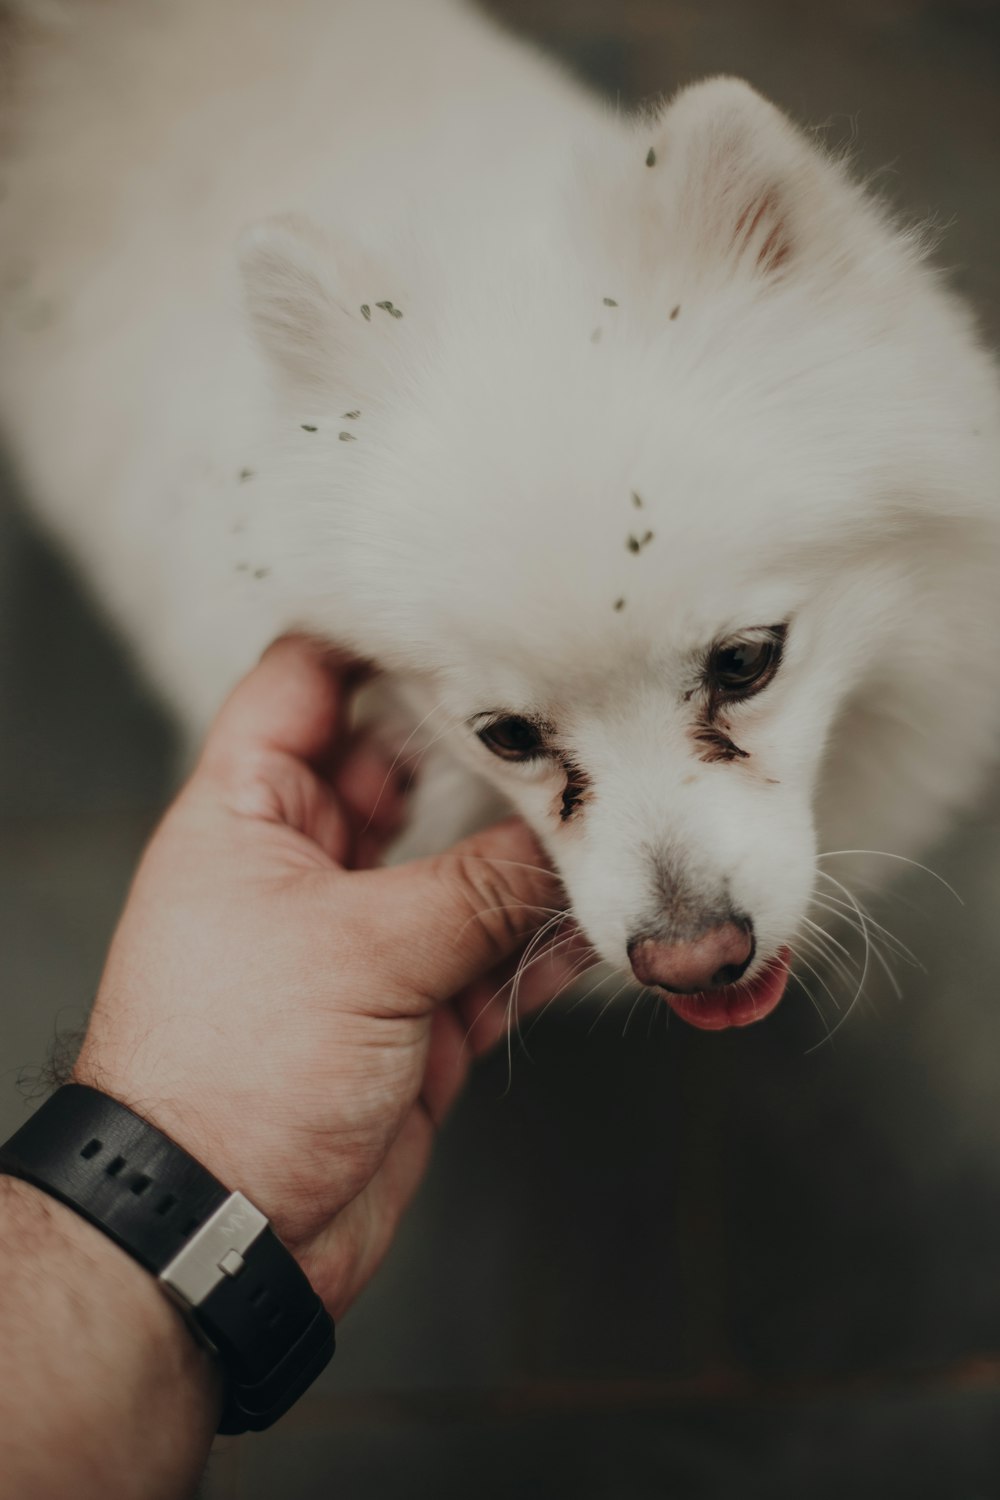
(675,312)
(393,312)
(366,312)
(636,543)
(261,572)
(609,302)
(650,157)
(308,427)
(245,474)
(637,500)
(346,437)
(351,416)
(619,604)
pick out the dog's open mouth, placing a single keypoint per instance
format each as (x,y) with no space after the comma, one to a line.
(735,1004)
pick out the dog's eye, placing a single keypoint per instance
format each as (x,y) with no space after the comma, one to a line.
(512,738)
(738,669)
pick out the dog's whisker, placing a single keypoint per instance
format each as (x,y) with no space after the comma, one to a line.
(841,913)
(852,903)
(887,970)
(828,938)
(524,963)
(539,937)
(530,955)
(514,864)
(841,968)
(813,1001)
(891,893)
(864,971)
(510,906)
(656,1006)
(816,974)
(881,959)
(416,759)
(582,999)
(838,907)
(639,997)
(843,975)
(500,988)
(655,1010)
(608,1003)
(903,859)
(396,760)
(580,971)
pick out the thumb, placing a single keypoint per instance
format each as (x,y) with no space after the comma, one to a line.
(458,914)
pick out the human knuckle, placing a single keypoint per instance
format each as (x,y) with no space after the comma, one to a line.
(492,903)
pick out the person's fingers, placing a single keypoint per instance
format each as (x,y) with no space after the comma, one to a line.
(492,1011)
(449,1058)
(294,701)
(458,914)
(370,787)
(496,1005)
(341,1259)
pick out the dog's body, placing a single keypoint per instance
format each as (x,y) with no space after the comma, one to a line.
(549,412)
(146,141)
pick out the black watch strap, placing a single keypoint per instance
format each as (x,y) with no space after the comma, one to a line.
(212,1250)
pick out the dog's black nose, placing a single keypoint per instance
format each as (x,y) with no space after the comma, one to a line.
(716,957)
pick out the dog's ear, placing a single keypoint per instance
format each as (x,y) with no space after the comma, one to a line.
(291,287)
(743,188)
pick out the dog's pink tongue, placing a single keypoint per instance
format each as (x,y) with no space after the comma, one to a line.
(735,1004)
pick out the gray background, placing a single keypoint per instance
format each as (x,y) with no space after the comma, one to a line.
(661,1263)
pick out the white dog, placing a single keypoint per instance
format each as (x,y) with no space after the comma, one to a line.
(647,456)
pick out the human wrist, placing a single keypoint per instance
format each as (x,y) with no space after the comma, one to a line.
(212,1249)
(92,1348)
(204,1125)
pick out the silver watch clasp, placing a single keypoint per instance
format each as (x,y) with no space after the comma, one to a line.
(215,1251)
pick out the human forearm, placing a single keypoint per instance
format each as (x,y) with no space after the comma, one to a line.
(296,1019)
(104,1392)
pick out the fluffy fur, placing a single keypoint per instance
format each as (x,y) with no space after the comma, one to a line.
(655,382)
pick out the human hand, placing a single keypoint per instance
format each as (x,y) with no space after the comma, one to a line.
(298,1020)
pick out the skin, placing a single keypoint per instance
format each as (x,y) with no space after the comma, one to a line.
(300,1022)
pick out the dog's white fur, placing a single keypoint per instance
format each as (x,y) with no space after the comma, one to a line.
(814,435)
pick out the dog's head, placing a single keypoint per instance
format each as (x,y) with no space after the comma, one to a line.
(665,492)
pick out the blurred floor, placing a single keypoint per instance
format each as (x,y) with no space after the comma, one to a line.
(659,1263)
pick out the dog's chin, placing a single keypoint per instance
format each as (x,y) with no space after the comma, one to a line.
(738,1004)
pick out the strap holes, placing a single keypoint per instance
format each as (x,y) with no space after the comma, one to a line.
(91,1149)
(259,1296)
(140,1184)
(165,1204)
(115,1166)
